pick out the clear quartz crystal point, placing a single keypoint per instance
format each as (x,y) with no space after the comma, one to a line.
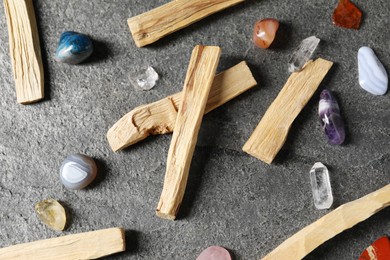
(320,185)
(302,54)
(146,80)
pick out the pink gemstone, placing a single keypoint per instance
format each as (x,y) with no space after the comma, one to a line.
(214,253)
(264,32)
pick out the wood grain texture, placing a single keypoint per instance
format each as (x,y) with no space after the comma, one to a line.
(340,219)
(160,117)
(197,85)
(25,50)
(89,245)
(151,26)
(271,133)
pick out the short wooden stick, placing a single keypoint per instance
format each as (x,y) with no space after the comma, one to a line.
(197,85)
(160,117)
(151,26)
(335,222)
(89,245)
(24,50)
(271,133)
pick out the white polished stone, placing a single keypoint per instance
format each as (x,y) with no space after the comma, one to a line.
(77,171)
(372,75)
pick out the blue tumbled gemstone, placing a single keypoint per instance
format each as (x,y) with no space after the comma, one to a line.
(73,48)
(331,120)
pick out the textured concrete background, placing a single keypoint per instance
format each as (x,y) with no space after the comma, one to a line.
(232,199)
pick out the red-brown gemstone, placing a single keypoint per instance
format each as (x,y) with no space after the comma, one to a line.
(264,32)
(379,250)
(347,15)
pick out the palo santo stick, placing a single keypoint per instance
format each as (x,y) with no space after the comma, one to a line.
(271,133)
(151,26)
(335,222)
(160,117)
(24,50)
(197,85)
(89,245)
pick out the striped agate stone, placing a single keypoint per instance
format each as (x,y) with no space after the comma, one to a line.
(372,75)
(77,171)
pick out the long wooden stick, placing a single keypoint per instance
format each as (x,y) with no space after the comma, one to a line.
(24,50)
(271,133)
(197,85)
(160,117)
(89,245)
(151,26)
(342,218)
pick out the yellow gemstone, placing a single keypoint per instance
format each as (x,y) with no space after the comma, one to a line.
(52,213)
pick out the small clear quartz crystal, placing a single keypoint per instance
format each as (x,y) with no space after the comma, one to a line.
(146,80)
(320,185)
(302,54)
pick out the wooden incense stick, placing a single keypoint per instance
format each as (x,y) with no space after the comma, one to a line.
(271,133)
(342,218)
(197,85)
(89,245)
(151,26)
(160,117)
(24,50)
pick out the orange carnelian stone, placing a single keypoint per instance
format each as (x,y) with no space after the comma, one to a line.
(379,250)
(264,32)
(347,15)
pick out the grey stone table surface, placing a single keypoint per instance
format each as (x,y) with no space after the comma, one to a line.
(232,199)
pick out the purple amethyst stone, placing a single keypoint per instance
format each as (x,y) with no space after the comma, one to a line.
(331,120)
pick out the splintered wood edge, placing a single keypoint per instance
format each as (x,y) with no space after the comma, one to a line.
(160,117)
(88,245)
(200,75)
(270,134)
(167,216)
(153,25)
(25,51)
(344,217)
